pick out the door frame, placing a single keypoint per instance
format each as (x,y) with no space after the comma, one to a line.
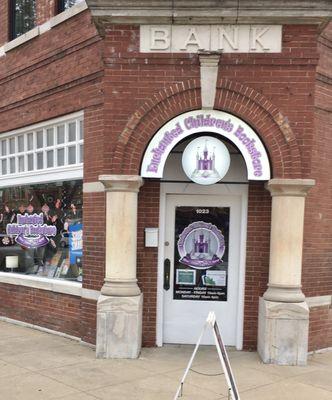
(225,189)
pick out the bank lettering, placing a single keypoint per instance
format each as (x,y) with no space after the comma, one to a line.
(222,38)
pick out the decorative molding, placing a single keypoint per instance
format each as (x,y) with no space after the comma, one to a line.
(210,12)
(49,92)
(121,183)
(209,74)
(289,187)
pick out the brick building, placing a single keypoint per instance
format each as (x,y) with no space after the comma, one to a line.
(205,179)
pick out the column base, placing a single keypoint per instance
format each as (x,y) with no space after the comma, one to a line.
(283,330)
(284,294)
(120,288)
(119,326)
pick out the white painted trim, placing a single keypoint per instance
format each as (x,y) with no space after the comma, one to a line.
(319,301)
(93,187)
(37,282)
(160,277)
(39,30)
(43,125)
(191,188)
(49,175)
(49,284)
(242,269)
(66,172)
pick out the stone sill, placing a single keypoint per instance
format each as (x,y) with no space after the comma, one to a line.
(39,30)
(319,301)
(52,285)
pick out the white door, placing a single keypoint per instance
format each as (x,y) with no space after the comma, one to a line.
(201,266)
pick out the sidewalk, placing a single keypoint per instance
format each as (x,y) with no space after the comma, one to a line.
(36,365)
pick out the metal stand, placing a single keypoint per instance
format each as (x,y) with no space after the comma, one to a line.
(232,390)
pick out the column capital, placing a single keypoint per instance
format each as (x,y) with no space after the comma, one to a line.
(121,183)
(289,187)
(209,60)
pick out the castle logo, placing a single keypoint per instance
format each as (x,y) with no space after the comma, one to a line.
(201,245)
(206,160)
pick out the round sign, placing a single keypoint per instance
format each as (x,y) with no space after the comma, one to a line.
(206,160)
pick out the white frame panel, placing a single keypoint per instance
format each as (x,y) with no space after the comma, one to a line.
(46,174)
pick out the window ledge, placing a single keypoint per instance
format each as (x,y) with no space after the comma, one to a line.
(21,39)
(52,285)
(39,30)
(319,301)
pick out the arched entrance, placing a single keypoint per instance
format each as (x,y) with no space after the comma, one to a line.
(188,291)
(120,304)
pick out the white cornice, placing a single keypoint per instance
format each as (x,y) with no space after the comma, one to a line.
(212,11)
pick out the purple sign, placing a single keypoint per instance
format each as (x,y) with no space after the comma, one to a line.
(201,245)
(201,253)
(216,122)
(30,230)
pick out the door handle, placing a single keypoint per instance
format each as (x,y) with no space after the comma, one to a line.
(167,272)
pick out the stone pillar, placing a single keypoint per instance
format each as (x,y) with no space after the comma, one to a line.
(119,307)
(283,313)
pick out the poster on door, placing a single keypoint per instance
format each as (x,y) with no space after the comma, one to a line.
(201,253)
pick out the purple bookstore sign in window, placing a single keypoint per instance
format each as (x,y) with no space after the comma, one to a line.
(41,229)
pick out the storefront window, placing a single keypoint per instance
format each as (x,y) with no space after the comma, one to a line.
(41,230)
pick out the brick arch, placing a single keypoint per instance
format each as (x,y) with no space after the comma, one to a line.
(240,100)
(268,122)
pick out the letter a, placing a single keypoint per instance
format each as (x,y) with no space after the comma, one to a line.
(192,40)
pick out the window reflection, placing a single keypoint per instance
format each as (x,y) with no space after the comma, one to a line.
(41,230)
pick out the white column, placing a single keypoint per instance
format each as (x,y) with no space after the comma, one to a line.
(119,308)
(283,322)
(121,234)
(288,199)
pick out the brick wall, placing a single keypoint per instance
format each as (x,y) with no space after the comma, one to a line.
(317,255)
(257,262)
(128,96)
(55,74)
(54,311)
(45,9)
(320,328)
(147,258)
